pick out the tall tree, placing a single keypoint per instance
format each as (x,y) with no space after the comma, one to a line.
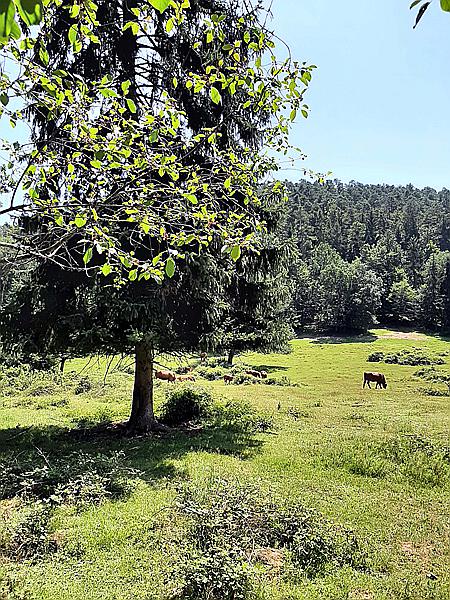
(432,293)
(164,167)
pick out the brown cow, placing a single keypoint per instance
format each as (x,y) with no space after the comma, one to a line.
(254,373)
(228,378)
(203,357)
(185,378)
(166,375)
(379,378)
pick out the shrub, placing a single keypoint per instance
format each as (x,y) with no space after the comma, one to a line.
(240,416)
(83,386)
(26,535)
(185,404)
(282,381)
(415,357)
(297,413)
(239,519)
(244,379)
(219,574)
(210,373)
(375,357)
(76,479)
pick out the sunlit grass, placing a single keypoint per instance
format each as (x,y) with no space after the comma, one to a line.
(330,448)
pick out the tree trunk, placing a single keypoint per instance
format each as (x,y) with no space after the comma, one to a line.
(142,418)
(230,357)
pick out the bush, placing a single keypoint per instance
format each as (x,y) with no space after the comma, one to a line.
(26,535)
(240,416)
(79,478)
(186,404)
(376,357)
(240,518)
(244,379)
(282,381)
(210,373)
(415,357)
(83,386)
(217,575)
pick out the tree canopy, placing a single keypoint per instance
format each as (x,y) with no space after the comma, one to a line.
(152,131)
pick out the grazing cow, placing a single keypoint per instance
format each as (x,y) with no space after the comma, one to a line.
(263,374)
(187,377)
(254,373)
(379,378)
(166,375)
(228,378)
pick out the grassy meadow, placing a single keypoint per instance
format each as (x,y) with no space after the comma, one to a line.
(374,461)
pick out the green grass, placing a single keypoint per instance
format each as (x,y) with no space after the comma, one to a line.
(374,461)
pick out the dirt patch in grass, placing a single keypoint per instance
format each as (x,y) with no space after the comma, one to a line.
(420,553)
(403,335)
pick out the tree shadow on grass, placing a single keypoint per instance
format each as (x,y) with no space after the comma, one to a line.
(355,339)
(269,368)
(152,456)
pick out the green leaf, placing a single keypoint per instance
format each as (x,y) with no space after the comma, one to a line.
(445,5)
(87,256)
(192,198)
(73,34)
(160,5)
(96,164)
(4,99)
(415,3)
(131,105)
(106,269)
(235,252)
(125,85)
(215,95)
(43,55)
(75,11)
(170,267)
(169,25)
(80,222)
(15,31)
(30,11)
(7,12)
(132,275)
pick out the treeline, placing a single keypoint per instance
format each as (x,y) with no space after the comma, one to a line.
(367,254)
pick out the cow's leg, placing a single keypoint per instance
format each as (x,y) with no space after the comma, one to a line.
(368,384)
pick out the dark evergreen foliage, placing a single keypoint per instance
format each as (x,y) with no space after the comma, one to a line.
(383,248)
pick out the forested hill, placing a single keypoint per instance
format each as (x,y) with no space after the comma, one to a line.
(369,253)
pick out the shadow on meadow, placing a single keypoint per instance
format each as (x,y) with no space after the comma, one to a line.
(269,368)
(356,339)
(58,449)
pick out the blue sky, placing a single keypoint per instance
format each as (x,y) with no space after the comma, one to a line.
(380,99)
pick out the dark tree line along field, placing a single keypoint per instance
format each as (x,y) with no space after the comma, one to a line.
(367,253)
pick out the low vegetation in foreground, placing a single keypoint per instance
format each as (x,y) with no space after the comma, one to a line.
(315,489)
